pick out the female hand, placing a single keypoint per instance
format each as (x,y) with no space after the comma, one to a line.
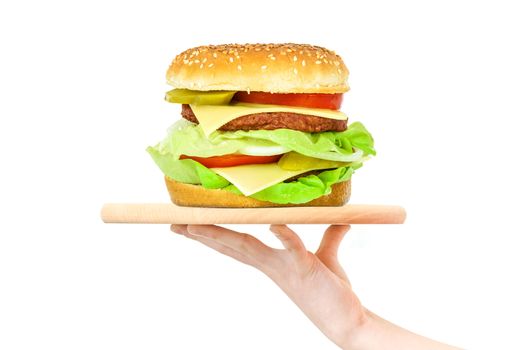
(316,283)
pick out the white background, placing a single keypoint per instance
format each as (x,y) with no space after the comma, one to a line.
(439,84)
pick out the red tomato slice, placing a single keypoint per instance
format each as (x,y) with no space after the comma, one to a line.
(232,160)
(325,101)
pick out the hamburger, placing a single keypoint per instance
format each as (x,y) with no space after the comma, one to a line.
(261,126)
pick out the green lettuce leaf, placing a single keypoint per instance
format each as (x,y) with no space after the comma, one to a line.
(352,146)
(187,171)
(303,190)
(187,138)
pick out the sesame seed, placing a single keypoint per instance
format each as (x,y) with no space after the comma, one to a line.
(295,71)
(201,66)
(295,58)
(185,61)
(303,63)
(336,63)
(339,70)
(325,60)
(264,67)
(197,61)
(272,58)
(288,50)
(190,63)
(210,65)
(318,62)
(239,67)
(215,55)
(258,49)
(204,60)
(231,59)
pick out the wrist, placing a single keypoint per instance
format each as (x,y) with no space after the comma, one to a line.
(356,339)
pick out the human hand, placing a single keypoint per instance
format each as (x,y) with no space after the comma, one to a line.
(316,283)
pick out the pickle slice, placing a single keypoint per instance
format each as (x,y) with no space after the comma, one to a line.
(297,161)
(185,96)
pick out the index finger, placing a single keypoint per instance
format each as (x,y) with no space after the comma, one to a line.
(290,241)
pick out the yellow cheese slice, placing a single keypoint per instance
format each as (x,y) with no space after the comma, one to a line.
(252,178)
(213,117)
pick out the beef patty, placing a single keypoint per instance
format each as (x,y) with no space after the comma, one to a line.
(275,120)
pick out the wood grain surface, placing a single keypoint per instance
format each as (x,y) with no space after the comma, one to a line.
(164,213)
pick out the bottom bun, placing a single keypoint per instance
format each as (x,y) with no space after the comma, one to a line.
(187,195)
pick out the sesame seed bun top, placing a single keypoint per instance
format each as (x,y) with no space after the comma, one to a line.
(278,68)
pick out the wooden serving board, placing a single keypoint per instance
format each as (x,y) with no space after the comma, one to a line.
(164,213)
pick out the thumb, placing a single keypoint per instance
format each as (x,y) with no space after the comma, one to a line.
(329,246)
(332,238)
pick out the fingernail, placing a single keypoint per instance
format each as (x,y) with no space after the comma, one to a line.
(193,230)
(179,229)
(275,229)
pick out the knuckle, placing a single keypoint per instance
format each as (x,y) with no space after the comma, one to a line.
(247,241)
(327,255)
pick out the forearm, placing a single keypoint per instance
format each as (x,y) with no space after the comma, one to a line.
(377,334)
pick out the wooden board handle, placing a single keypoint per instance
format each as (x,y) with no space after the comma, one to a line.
(163,213)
